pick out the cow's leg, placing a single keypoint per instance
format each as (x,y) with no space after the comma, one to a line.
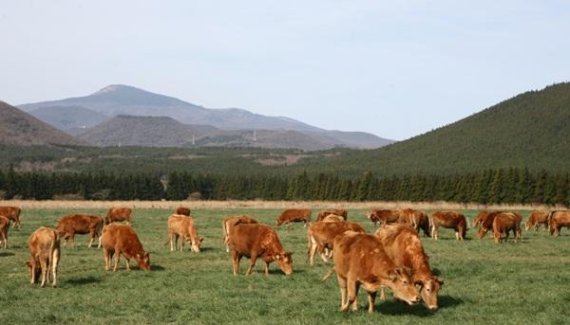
(371,300)
(382,294)
(352,290)
(45,270)
(33,268)
(99,244)
(252,263)
(107,256)
(127,264)
(355,302)
(116,266)
(236,257)
(266,268)
(342,286)
(54,265)
(312,250)
(171,239)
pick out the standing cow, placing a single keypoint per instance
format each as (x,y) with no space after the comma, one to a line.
(44,255)
(120,239)
(294,215)
(4,226)
(557,220)
(68,226)
(383,216)
(13,214)
(229,222)
(183,226)
(448,219)
(118,214)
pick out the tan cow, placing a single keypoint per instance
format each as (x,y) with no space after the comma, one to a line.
(383,216)
(360,260)
(403,245)
(321,235)
(448,219)
(339,212)
(120,239)
(255,240)
(183,226)
(294,215)
(183,211)
(505,222)
(557,220)
(537,218)
(118,214)
(44,255)
(229,222)
(68,226)
(4,226)
(12,213)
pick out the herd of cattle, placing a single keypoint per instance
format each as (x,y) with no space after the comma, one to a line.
(392,257)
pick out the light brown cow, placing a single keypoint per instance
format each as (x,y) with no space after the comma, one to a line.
(537,218)
(12,213)
(118,214)
(557,220)
(229,222)
(4,226)
(183,226)
(403,245)
(448,219)
(183,211)
(255,241)
(360,260)
(44,255)
(68,226)
(383,216)
(505,222)
(339,212)
(333,218)
(120,239)
(294,215)
(321,235)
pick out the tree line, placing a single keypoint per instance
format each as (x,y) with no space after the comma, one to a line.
(500,186)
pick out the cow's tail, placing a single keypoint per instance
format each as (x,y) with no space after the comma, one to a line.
(329,273)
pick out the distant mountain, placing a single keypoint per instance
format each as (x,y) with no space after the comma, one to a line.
(20,128)
(125,100)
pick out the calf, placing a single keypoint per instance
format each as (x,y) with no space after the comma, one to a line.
(557,220)
(294,215)
(448,219)
(13,214)
(536,219)
(4,226)
(118,214)
(120,239)
(321,235)
(183,226)
(44,255)
(68,226)
(255,241)
(505,222)
(339,212)
(231,221)
(182,211)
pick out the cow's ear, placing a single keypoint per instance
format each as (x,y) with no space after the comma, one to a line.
(439,280)
(201,239)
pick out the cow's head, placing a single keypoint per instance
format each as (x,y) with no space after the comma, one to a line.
(285,262)
(196,244)
(35,276)
(429,289)
(402,285)
(143,261)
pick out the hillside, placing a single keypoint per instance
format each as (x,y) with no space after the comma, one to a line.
(22,129)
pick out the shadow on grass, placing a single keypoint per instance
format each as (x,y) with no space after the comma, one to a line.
(156,267)
(83,281)
(6,254)
(394,307)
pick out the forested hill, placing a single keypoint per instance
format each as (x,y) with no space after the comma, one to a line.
(531,130)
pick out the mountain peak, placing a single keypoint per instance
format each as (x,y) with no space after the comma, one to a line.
(115,88)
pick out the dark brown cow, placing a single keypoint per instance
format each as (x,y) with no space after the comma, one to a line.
(229,222)
(118,214)
(383,216)
(339,212)
(68,226)
(182,211)
(183,226)
(321,235)
(44,255)
(12,213)
(294,215)
(254,240)
(4,226)
(557,220)
(537,218)
(120,239)
(505,222)
(360,260)
(448,219)
(403,245)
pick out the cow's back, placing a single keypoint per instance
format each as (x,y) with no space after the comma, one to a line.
(120,236)
(254,236)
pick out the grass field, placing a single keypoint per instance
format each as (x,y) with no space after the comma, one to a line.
(512,283)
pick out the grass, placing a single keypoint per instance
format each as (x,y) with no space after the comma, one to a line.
(526,282)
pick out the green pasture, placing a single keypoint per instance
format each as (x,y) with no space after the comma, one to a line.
(485,283)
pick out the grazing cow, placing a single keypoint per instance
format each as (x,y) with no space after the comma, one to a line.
(294,215)
(44,255)
(505,222)
(182,211)
(360,260)
(183,226)
(4,226)
(403,245)
(415,218)
(448,219)
(557,220)
(231,221)
(383,216)
(254,240)
(122,239)
(333,218)
(339,212)
(118,214)
(68,226)
(12,213)
(536,219)
(484,221)
(321,235)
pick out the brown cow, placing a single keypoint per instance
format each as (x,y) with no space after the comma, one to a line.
(383,216)
(448,219)
(557,220)
(505,222)
(122,239)
(415,218)
(118,214)
(183,226)
(403,245)
(44,255)
(4,226)
(294,215)
(360,259)
(339,212)
(333,218)
(321,235)
(68,226)
(537,218)
(255,241)
(231,221)
(484,221)
(182,211)
(12,213)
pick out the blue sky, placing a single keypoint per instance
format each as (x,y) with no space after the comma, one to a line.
(392,68)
